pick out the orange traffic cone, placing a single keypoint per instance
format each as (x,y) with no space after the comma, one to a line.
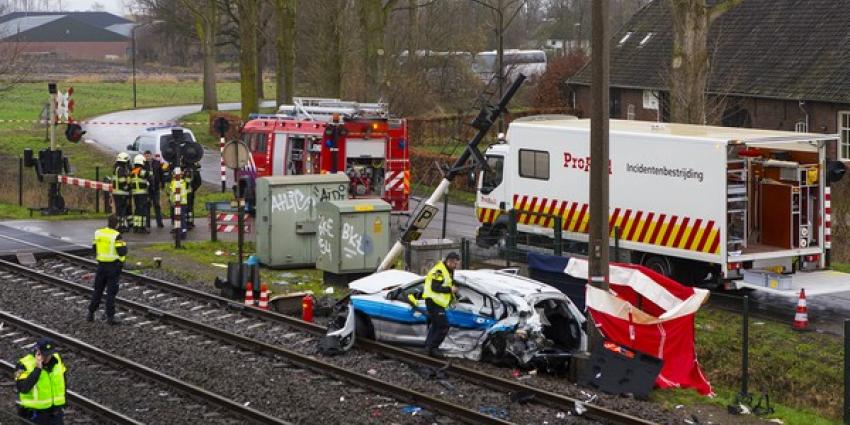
(249,294)
(264,297)
(801,318)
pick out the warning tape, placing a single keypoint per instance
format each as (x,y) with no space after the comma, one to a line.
(138,123)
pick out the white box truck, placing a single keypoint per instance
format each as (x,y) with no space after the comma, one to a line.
(697,203)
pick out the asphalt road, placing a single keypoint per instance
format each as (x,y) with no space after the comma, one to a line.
(115,138)
(461,220)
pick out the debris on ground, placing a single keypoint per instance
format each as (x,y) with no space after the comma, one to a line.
(495,412)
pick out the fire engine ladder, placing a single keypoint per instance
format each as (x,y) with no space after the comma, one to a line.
(321,109)
(737,199)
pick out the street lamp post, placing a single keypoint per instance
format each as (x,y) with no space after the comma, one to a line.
(133,48)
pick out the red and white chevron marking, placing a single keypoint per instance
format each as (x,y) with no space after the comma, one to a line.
(231,228)
(229,223)
(397,181)
(88,184)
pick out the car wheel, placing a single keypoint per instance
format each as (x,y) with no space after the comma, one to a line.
(363,327)
(659,264)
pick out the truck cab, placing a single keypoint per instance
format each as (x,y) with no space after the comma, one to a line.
(491,197)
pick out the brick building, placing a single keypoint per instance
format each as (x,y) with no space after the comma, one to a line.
(79,35)
(776,64)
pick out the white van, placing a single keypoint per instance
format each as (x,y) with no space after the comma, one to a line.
(153,139)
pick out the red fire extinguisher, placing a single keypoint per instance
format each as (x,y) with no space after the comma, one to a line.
(307,308)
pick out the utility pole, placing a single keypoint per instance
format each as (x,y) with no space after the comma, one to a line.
(599,167)
(501,55)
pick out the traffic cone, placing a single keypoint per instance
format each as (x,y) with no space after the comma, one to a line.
(801,318)
(264,297)
(249,294)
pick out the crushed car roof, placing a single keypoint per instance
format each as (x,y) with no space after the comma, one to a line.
(494,281)
(383,280)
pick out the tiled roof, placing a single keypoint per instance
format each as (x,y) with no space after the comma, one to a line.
(787,49)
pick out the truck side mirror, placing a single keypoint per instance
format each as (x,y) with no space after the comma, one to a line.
(471,180)
(131,147)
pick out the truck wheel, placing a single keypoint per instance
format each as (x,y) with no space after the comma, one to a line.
(659,264)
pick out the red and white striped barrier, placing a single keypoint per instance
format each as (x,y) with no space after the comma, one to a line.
(229,223)
(88,184)
(827,212)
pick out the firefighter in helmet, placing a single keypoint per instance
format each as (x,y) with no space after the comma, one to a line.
(139,186)
(121,189)
(176,190)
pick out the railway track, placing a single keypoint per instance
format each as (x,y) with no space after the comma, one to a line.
(240,349)
(275,329)
(139,394)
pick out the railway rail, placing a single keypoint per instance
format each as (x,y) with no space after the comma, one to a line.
(85,361)
(166,319)
(157,289)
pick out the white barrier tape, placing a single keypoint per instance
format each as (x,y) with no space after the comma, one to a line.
(140,123)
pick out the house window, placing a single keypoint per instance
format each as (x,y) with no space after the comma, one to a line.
(645,40)
(534,164)
(844,131)
(625,38)
(630,115)
(801,127)
(615,103)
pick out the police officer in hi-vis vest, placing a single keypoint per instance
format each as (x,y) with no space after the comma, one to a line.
(111,253)
(40,383)
(438,293)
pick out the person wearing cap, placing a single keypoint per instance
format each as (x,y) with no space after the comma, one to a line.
(40,383)
(438,293)
(111,252)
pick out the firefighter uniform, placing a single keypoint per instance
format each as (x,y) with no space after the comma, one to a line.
(438,295)
(111,253)
(121,189)
(177,194)
(139,184)
(156,171)
(41,388)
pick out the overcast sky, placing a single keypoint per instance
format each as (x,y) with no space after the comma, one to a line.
(113,6)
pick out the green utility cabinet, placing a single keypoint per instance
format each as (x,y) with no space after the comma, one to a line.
(353,236)
(285,222)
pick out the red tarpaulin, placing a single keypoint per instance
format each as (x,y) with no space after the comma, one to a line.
(652,314)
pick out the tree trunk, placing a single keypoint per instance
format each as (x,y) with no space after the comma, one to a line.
(335,62)
(261,63)
(285,11)
(690,67)
(373,21)
(248,11)
(206,34)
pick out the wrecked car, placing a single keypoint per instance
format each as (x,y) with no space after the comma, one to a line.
(497,316)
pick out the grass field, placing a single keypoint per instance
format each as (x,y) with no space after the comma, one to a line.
(802,372)
(25,102)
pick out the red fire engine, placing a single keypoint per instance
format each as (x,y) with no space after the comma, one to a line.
(328,136)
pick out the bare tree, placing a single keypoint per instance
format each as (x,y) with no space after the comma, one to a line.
(285,14)
(248,12)
(373,16)
(689,73)
(204,18)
